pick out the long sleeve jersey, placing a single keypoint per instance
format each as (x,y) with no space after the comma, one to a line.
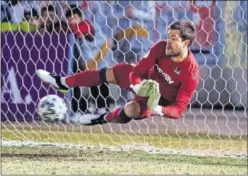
(177,81)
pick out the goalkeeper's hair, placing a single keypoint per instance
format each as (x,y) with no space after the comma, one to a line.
(187,29)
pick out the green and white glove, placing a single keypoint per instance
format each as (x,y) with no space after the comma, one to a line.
(148,88)
(154,96)
(143,89)
(158,110)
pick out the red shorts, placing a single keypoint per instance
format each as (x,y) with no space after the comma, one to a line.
(121,74)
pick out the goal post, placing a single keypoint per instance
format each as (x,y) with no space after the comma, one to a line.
(216,119)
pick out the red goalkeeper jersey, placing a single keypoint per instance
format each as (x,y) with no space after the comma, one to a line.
(177,81)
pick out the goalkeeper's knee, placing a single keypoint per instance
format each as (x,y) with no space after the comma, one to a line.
(132,110)
(129,112)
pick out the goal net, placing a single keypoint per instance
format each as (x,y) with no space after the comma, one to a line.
(36,35)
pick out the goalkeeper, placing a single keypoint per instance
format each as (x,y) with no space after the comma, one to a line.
(164,80)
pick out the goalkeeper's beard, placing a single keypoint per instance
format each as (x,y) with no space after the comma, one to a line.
(174,54)
(170,52)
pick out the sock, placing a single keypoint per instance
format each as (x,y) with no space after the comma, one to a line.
(87,78)
(63,82)
(119,115)
(113,114)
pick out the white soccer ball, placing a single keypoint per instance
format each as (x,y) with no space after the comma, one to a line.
(52,108)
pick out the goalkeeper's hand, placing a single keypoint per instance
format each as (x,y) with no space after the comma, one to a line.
(148,88)
(154,95)
(144,88)
(158,110)
(153,100)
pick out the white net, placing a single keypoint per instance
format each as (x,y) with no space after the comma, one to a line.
(34,37)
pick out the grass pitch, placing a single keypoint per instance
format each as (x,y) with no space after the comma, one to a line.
(55,160)
(86,160)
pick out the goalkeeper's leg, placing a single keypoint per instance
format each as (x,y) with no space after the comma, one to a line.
(136,109)
(89,78)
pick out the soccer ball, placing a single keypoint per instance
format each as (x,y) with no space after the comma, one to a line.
(52,108)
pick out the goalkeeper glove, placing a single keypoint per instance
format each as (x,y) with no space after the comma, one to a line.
(158,110)
(144,88)
(148,88)
(154,95)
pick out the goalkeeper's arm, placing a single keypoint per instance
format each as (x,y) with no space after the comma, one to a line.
(183,98)
(144,65)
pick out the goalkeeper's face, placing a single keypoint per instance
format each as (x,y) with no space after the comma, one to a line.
(174,43)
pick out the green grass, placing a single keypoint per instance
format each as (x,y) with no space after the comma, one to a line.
(205,144)
(54,160)
(85,160)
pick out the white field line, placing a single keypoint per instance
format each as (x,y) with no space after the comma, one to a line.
(147,148)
